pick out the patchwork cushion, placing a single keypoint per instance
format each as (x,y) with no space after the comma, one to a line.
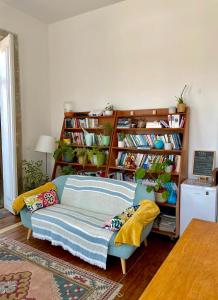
(33,203)
(115,223)
(48,198)
(44,199)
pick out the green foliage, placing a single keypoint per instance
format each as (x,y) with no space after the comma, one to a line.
(180,99)
(66,170)
(168,163)
(64,149)
(33,175)
(100,156)
(82,153)
(157,173)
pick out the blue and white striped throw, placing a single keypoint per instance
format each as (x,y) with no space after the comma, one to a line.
(98,194)
(76,230)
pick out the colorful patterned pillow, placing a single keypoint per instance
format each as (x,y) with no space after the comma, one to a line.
(44,199)
(33,203)
(118,221)
(48,198)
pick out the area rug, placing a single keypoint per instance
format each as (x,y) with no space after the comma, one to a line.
(29,274)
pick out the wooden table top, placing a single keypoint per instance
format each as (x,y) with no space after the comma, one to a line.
(190,272)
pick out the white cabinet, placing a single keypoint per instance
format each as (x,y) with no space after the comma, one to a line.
(197,201)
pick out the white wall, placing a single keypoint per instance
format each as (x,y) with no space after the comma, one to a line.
(33,60)
(139,54)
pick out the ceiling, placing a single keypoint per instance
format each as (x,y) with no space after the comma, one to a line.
(50,11)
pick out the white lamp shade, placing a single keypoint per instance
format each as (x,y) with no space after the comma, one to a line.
(45,144)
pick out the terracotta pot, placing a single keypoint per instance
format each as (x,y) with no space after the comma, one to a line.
(68,114)
(181,108)
(159,198)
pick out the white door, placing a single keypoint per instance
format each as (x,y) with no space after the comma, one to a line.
(8,120)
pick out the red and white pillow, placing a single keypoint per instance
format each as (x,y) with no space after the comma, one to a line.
(44,199)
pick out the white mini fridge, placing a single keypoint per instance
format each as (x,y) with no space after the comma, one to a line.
(197,201)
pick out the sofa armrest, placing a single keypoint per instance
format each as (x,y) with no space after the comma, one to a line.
(26,218)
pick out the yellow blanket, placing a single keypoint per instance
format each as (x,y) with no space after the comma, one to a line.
(130,232)
(19,203)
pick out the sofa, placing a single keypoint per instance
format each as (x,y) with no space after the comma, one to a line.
(123,251)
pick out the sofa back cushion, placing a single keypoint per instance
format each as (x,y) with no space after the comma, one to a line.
(98,194)
(142,194)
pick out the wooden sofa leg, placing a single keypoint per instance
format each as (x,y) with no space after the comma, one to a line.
(145,242)
(29,234)
(123,265)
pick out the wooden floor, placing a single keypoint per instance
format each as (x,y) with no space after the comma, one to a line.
(141,267)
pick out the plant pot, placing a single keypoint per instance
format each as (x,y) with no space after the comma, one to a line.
(68,114)
(181,107)
(105,140)
(108,112)
(172,110)
(159,198)
(89,139)
(168,146)
(169,169)
(98,160)
(121,144)
(82,160)
(67,158)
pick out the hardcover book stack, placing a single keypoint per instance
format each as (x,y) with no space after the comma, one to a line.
(143,160)
(146,141)
(84,123)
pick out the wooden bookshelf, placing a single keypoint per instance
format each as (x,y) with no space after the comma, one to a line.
(150,115)
(110,166)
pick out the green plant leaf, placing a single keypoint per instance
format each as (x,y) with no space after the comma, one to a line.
(165,194)
(140,173)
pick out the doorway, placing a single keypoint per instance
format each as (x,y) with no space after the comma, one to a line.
(8,120)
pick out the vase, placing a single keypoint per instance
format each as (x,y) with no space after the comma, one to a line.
(169,169)
(105,140)
(108,112)
(89,139)
(168,146)
(172,110)
(121,144)
(181,107)
(159,198)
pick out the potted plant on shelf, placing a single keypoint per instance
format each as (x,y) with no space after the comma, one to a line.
(107,131)
(82,155)
(181,106)
(160,177)
(108,111)
(121,138)
(64,152)
(97,157)
(169,164)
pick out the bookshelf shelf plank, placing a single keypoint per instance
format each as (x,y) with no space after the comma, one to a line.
(79,165)
(150,130)
(133,170)
(155,151)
